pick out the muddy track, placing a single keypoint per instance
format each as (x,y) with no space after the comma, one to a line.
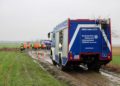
(78,76)
(9,49)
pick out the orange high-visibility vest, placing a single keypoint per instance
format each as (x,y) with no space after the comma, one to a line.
(25,45)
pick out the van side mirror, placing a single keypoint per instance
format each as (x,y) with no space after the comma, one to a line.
(49,35)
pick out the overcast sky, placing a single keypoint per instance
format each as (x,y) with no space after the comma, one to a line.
(33,19)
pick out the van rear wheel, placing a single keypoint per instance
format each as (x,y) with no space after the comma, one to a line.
(94,67)
(54,63)
(60,65)
(63,68)
(51,57)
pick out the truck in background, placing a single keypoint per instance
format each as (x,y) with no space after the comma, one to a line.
(46,44)
(36,45)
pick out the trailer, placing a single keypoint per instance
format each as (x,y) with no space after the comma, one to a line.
(46,44)
(81,41)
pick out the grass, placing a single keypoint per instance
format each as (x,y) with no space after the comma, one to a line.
(9,45)
(115,60)
(18,69)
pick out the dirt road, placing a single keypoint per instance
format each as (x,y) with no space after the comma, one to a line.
(77,77)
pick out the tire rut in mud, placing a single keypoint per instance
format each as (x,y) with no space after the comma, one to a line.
(79,77)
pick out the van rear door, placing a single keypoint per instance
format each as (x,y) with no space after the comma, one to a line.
(90,40)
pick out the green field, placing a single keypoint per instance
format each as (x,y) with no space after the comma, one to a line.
(115,60)
(9,45)
(18,69)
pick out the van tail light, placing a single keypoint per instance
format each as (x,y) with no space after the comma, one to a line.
(109,57)
(71,56)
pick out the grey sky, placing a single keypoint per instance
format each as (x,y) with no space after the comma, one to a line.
(33,19)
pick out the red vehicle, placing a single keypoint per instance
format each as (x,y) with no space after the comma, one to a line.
(36,45)
(43,46)
(25,45)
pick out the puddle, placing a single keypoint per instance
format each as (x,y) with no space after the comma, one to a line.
(112,78)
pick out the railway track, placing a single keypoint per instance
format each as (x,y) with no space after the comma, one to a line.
(80,76)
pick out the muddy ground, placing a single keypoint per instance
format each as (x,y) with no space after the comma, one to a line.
(9,49)
(112,68)
(75,77)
